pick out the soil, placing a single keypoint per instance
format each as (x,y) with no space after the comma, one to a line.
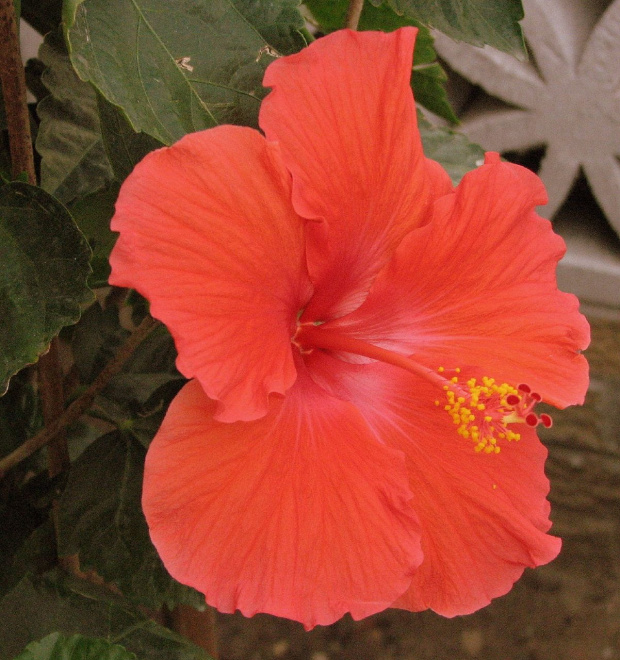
(547,616)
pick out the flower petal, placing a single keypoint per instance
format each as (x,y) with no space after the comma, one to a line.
(483,516)
(477,287)
(343,113)
(301,514)
(209,236)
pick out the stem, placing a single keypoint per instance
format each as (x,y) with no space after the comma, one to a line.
(83,402)
(51,391)
(353,14)
(198,627)
(13,82)
(53,403)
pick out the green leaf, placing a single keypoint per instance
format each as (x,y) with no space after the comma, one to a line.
(428,76)
(96,339)
(57,646)
(38,606)
(428,87)
(74,162)
(171,80)
(43,270)
(101,518)
(451,149)
(99,335)
(331,15)
(20,416)
(43,15)
(24,498)
(124,147)
(136,399)
(92,214)
(478,22)
(35,554)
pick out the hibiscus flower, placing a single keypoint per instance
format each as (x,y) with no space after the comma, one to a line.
(366,346)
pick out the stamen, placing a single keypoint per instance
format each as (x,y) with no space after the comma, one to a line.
(484,415)
(481,410)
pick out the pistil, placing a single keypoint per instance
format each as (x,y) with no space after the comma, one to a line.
(310,336)
(482,410)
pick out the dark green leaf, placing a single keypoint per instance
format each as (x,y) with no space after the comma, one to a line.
(179,67)
(57,646)
(478,22)
(43,270)
(101,518)
(145,425)
(55,602)
(20,416)
(124,147)
(428,76)
(21,516)
(35,555)
(331,15)
(43,15)
(96,339)
(428,87)
(137,398)
(453,150)
(74,162)
(99,335)
(34,72)
(24,501)
(93,214)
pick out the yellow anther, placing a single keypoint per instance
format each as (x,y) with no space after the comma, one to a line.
(485,395)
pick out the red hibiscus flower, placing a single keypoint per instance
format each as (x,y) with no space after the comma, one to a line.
(366,346)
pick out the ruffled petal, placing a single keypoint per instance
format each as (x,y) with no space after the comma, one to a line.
(483,516)
(301,514)
(477,287)
(209,236)
(343,113)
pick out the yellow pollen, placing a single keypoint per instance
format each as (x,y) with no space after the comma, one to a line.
(499,401)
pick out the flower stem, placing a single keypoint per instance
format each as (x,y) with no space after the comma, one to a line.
(83,402)
(13,81)
(353,14)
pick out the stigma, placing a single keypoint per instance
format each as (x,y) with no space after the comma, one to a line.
(484,410)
